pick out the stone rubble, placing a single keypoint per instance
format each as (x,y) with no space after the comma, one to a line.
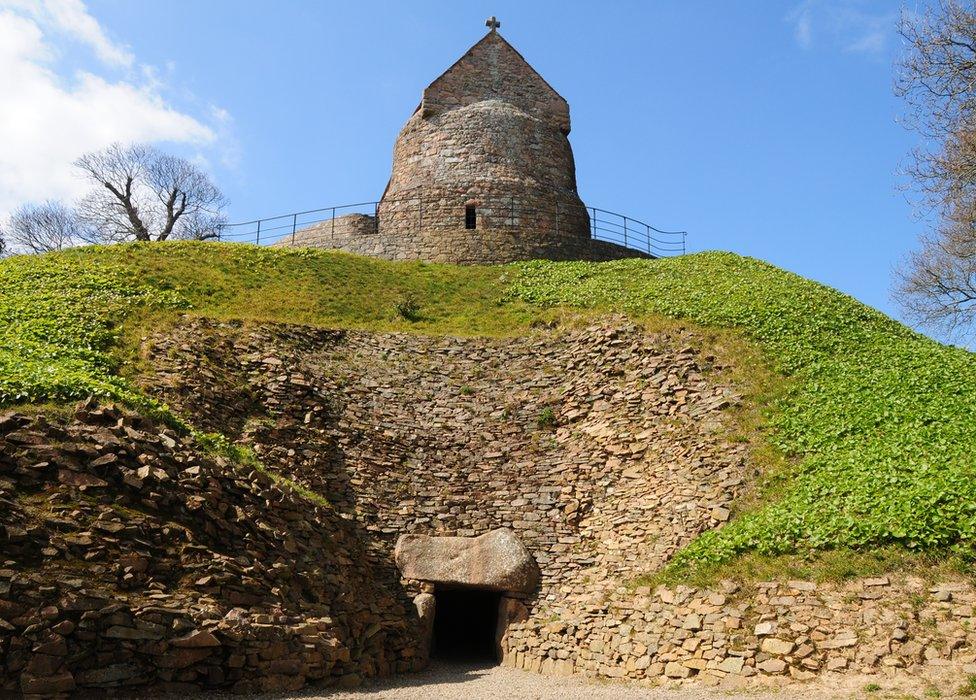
(129,559)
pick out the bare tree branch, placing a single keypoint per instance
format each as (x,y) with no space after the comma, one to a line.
(146,195)
(936,285)
(115,206)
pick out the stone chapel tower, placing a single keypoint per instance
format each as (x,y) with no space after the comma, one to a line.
(483,170)
(482,173)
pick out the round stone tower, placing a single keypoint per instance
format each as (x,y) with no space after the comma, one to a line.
(483,170)
(482,173)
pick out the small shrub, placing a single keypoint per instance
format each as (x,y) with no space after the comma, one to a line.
(968,688)
(408,307)
(466,390)
(546,419)
(872,688)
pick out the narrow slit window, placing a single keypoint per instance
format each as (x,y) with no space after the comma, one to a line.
(470,217)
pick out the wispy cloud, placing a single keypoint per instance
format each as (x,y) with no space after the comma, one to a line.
(71,18)
(54,113)
(843,24)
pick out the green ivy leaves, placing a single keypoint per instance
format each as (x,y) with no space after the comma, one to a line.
(58,316)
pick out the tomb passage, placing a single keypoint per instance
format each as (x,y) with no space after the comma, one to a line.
(465,625)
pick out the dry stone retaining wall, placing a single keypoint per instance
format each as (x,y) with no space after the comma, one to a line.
(793,630)
(442,436)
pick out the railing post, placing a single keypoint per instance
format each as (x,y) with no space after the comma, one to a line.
(258,239)
(625,232)
(648,233)
(294,226)
(376,217)
(684,238)
(593,227)
(333,224)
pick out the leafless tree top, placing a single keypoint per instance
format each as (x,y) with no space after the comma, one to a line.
(938,70)
(146,195)
(45,227)
(936,285)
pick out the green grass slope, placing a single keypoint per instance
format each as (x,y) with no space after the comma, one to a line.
(879,423)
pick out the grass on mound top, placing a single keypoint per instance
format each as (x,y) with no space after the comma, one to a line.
(878,423)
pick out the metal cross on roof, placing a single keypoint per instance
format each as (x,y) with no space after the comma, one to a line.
(492,23)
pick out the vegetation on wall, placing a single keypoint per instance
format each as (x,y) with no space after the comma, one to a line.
(877,423)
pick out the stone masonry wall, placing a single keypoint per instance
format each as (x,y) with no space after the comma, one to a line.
(482,246)
(446,436)
(602,449)
(352,233)
(493,69)
(770,632)
(515,170)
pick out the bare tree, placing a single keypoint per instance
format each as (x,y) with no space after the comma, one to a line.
(937,78)
(145,195)
(45,227)
(936,286)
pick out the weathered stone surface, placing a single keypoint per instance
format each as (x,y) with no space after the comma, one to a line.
(197,638)
(426,606)
(496,560)
(779,647)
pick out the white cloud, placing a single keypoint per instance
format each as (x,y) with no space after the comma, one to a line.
(71,18)
(843,24)
(50,116)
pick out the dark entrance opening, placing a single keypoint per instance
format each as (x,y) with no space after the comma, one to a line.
(465,624)
(470,217)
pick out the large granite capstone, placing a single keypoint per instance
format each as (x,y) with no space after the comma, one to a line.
(495,561)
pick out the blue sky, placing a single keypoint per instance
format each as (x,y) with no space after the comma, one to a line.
(765,128)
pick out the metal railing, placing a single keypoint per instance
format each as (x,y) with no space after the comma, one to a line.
(499,213)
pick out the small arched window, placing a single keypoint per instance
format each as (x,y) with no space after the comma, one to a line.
(470,217)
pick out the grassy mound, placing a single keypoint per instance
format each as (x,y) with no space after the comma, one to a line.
(879,423)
